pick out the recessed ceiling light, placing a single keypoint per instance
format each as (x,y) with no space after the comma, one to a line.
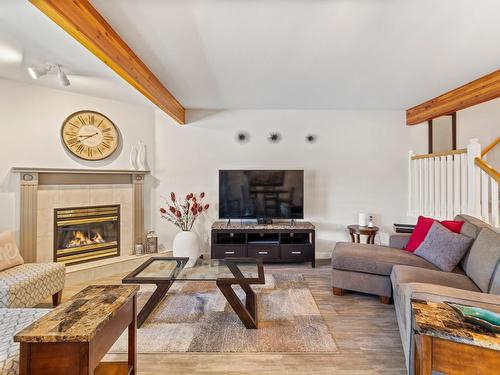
(9,54)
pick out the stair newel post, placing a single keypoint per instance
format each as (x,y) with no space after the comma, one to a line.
(411,179)
(473,179)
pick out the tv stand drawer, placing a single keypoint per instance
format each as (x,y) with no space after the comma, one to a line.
(296,252)
(263,251)
(230,251)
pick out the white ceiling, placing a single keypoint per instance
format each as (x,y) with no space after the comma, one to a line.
(36,40)
(347,54)
(300,54)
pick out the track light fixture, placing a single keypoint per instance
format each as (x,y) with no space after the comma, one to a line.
(42,70)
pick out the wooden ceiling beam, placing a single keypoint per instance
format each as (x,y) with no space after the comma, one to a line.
(84,23)
(476,92)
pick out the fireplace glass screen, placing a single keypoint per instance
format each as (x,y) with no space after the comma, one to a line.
(85,234)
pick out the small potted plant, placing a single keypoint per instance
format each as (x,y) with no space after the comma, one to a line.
(184,215)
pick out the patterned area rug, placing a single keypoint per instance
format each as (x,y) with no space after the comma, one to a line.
(195,317)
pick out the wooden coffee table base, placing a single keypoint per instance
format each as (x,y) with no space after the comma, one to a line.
(246,312)
(202,271)
(153,301)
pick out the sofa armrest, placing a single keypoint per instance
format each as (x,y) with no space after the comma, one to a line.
(398,240)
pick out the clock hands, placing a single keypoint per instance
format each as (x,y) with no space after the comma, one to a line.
(87,136)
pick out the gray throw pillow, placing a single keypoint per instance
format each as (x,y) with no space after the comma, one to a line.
(443,248)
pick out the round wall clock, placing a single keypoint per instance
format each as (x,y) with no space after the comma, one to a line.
(90,135)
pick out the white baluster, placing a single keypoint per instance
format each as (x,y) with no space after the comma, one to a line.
(474,178)
(494,203)
(432,208)
(410,183)
(449,186)
(437,185)
(421,186)
(443,187)
(463,183)
(456,185)
(426,187)
(415,188)
(485,201)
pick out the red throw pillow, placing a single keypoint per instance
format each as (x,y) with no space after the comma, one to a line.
(423,226)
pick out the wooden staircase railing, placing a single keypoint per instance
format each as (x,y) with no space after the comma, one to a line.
(489,181)
(444,184)
(490,147)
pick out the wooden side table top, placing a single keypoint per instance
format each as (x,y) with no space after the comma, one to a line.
(358,229)
(355,231)
(81,317)
(441,321)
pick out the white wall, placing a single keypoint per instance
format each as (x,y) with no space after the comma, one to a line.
(482,122)
(358,164)
(30,124)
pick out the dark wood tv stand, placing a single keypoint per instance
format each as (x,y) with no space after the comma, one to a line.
(277,242)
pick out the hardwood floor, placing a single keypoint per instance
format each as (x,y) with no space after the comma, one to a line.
(365,331)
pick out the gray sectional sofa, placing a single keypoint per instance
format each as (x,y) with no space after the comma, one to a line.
(391,272)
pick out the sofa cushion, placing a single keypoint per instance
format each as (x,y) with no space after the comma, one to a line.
(483,259)
(373,259)
(443,248)
(495,281)
(472,226)
(423,227)
(11,322)
(409,274)
(9,253)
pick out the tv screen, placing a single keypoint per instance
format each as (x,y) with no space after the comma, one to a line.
(254,194)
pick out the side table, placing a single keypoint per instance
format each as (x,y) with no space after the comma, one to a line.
(447,344)
(357,230)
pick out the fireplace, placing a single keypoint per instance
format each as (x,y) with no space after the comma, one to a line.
(84,234)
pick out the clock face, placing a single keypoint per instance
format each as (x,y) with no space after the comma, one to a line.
(90,135)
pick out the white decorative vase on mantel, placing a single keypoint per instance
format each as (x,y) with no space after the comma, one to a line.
(186,244)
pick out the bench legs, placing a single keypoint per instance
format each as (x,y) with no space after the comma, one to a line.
(56,298)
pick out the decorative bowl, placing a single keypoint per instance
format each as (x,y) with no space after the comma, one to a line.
(476,315)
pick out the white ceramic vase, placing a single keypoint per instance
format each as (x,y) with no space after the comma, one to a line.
(142,156)
(186,244)
(133,158)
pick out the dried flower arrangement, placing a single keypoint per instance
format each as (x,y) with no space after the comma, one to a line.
(184,215)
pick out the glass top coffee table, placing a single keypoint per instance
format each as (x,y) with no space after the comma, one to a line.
(164,271)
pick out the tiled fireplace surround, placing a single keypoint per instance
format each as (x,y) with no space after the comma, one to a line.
(43,190)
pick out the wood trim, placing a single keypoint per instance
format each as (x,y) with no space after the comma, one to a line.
(475,92)
(78,171)
(488,169)
(436,154)
(430,136)
(138,214)
(454,130)
(28,222)
(84,23)
(490,147)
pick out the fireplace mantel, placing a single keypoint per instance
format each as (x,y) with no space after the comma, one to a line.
(32,177)
(78,171)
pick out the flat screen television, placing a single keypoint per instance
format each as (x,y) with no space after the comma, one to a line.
(261,194)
